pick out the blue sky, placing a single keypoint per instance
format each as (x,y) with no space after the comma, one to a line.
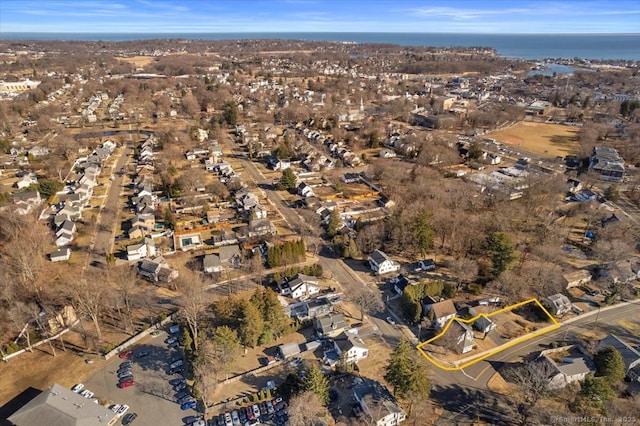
(423,16)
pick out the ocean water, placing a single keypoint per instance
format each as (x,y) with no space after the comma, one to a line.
(524,46)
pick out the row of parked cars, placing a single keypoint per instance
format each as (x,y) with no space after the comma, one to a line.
(119,409)
(274,410)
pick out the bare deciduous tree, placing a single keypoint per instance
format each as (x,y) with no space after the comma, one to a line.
(88,300)
(193,304)
(306,409)
(464,269)
(366,301)
(532,380)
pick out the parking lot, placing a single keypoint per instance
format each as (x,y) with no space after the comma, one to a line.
(152,397)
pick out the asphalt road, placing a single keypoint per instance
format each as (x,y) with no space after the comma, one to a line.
(107,219)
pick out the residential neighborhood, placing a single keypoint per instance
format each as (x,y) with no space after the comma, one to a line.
(275,231)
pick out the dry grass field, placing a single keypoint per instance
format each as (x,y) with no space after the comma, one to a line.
(138,61)
(549,140)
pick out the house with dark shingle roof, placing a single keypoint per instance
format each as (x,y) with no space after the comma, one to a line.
(630,355)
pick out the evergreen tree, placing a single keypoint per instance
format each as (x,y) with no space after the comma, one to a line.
(250,323)
(423,232)
(596,391)
(501,252)
(335,223)
(405,373)
(316,382)
(288,179)
(230,114)
(609,364)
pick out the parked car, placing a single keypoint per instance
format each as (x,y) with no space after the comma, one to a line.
(178,363)
(182,394)
(171,339)
(180,386)
(256,411)
(124,373)
(142,354)
(219,420)
(227,419)
(78,388)
(122,410)
(242,413)
(188,405)
(87,393)
(126,384)
(114,407)
(185,399)
(126,364)
(174,344)
(198,422)
(174,329)
(175,370)
(235,418)
(250,415)
(174,382)
(270,409)
(129,418)
(125,354)
(390,321)
(263,409)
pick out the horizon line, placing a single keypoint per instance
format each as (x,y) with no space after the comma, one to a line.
(318,32)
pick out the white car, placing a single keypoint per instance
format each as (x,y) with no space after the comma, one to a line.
(123,409)
(87,393)
(115,407)
(78,388)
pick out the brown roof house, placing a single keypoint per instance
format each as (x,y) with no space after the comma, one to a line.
(443,311)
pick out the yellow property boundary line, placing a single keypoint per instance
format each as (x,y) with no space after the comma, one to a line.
(499,349)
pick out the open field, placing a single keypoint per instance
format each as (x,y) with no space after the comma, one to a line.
(138,61)
(550,140)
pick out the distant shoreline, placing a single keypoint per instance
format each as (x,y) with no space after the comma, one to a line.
(600,46)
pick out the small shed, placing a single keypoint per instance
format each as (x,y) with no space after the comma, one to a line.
(288,350)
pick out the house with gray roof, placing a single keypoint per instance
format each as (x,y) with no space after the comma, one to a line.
(607,163)
(573,367)
(378,404)
(331,325)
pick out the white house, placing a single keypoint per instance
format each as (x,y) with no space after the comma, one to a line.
(570,369)
(350,347)
(211,263)
(136,251)
(63,238)
(60,255)
(303,286)
(378,404)
(443,311)
(381,264)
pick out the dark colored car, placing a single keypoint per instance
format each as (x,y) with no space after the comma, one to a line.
(125,354)
(185,399)
(182,394)
(174,382)
(179,387)
(126,364)
(188,405)
(129,418)
(220,420)
(175,370)
(242,413)
(142,354)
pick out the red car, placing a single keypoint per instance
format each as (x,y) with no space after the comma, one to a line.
(126,384)
(125,354)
